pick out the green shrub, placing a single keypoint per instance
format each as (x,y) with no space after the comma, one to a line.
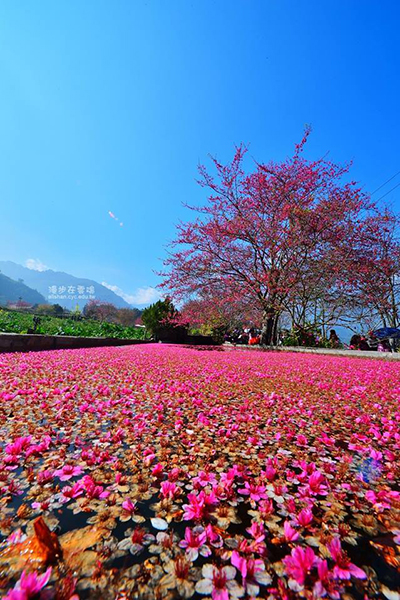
(18,322)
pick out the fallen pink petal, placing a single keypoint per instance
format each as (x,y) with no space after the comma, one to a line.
(239,515)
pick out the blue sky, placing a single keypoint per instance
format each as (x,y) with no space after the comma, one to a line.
(110,106)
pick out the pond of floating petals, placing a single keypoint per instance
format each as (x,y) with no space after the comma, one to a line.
(171,472)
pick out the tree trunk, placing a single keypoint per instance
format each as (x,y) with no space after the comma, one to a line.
(268,328)
(394,318)
(275,330)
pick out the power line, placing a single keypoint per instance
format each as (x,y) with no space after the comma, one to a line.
(396,186)
(381,186)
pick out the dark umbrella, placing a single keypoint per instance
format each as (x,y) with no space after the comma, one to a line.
(387,332)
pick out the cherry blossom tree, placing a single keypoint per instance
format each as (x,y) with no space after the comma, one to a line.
(211,314)
(263,234)
(374,271)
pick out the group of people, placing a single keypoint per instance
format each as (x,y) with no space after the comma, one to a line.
(247,336)
(251,336)
(360,342)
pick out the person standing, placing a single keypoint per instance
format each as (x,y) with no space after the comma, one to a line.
(334,339)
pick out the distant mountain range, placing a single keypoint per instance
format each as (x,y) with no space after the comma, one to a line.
(12,291)
(54,287)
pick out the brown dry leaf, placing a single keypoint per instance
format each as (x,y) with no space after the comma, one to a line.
(79,540)
(123,488)
(85,562)
(18,556)
(42,548)
(312,541)
(50,520)
(388,553)
(23,511)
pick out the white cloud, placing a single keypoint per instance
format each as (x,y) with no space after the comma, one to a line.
(36,265)
(115,218)
(144,295)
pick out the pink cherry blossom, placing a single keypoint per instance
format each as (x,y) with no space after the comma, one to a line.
(326,584)
(305,517)
(195,543)
(219,582)
(254,491)
(129,506)
(67,472)
(256,530)
(29,585)
(204,446)
(291,535)
(205,478)
(299,563)
(343,569)
(169,489)
(252,571)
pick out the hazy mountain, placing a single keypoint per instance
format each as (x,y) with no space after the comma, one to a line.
(12,291)
(61,288)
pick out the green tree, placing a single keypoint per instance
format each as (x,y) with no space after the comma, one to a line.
(57,309)
(49,309)
(159,316)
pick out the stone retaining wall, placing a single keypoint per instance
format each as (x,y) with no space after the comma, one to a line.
(27,342)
